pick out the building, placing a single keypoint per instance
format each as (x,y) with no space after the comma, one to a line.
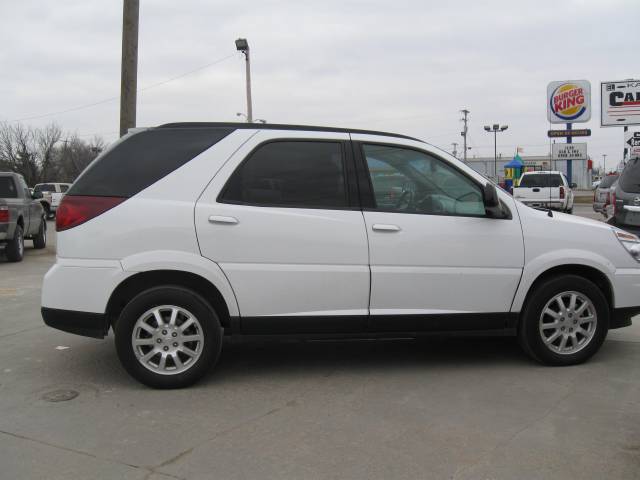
(581,169)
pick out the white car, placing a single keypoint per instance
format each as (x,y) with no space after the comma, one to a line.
(545,189)
(50,195)
(180,234)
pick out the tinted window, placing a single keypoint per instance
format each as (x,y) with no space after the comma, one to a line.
(409,181)
(144,158)
(531,180)
(630,178)
(8,188)
(44,187)
(293,173)
(608,181)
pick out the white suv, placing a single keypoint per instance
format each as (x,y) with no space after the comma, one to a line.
(180,234)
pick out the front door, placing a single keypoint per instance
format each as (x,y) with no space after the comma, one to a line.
(437,261)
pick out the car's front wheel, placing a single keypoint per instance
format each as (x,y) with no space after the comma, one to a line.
(564,321)
(168,337)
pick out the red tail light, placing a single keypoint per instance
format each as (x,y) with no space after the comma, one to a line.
(561,192)
(77,209)
(4,214)
(608,201)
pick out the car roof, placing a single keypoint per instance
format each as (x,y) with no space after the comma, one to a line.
(280,126)
(542,171)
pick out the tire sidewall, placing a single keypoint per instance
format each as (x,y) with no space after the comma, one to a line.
(168,295)
(529,332)
(40,241)
(15,248)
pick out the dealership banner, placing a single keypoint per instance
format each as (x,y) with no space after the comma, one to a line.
(569,101)
(620,103)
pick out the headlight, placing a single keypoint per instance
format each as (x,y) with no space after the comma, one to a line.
(629,241)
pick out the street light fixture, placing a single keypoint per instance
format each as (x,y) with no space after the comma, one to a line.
(495,128)
(243,46)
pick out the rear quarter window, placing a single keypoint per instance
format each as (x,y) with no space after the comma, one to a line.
(144,158)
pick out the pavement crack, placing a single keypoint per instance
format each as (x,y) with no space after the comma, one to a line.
(188,451)
(71,450)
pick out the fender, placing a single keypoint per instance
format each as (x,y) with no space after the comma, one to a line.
(185,262)
(537,266)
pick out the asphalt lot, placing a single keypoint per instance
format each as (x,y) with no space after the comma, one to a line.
(450,408)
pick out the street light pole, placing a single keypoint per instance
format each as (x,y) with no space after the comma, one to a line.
(495,128)
(129,69)
(243,46)
(604,166)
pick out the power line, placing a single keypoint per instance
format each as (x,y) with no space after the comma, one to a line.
(111,99)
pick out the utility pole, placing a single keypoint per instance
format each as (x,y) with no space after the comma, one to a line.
(455,149)
(243,46)
(465,112)
(129,69)
(604,166)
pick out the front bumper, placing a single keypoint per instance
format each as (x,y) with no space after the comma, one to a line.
(81,323)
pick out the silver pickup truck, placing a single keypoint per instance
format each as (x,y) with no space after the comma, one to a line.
(21,217)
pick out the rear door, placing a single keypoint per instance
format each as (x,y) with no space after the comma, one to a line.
(282,220)
(437,261)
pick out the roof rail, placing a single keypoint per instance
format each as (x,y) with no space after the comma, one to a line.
(278,126)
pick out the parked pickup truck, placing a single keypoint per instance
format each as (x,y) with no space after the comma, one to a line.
(21,217)
(49,194)
(545,189)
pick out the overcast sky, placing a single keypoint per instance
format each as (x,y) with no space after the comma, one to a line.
(401,66)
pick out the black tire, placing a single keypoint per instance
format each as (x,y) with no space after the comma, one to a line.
(570,211)
(15,248)
(529,335)
(47,211)
(175,296)
(40,240)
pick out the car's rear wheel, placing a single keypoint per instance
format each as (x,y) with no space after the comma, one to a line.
(15,248)
(564,321)
(168,337)
(40,240)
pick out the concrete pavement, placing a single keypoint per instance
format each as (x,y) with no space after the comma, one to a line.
(456,408)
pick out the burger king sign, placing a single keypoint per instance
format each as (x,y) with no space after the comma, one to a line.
(569,101)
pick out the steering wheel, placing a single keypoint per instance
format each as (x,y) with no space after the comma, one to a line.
(459,199)
(405,197)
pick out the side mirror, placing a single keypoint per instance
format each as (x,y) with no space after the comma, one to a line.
(491,201)
(36,195)
(574,185)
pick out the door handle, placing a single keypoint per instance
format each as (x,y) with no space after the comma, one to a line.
(223,220)
(381,227)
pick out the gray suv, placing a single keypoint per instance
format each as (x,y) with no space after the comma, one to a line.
(627,195)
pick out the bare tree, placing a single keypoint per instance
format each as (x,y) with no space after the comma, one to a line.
(40,154)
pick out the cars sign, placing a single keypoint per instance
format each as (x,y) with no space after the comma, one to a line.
(569,101)
(620,103)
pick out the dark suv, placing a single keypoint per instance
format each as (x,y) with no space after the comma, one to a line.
(626,199)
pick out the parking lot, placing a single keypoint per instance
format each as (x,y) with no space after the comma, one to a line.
(450,408)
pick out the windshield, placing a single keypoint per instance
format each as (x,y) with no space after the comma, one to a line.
(630,178)
(8,188)
(44,187)
(530,180)
(608,181)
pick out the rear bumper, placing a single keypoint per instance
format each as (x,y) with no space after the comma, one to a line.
(81,323)
(542,204)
